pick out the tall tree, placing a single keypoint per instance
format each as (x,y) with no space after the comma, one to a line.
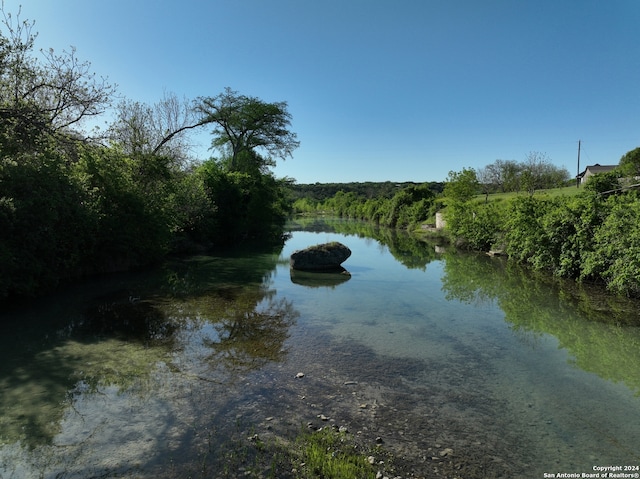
(539,173)
(158,129)
(55,94)
(503,175)
(248,131)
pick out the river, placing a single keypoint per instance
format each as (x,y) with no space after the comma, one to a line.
(449,364)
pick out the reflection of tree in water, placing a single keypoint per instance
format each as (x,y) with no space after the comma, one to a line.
(406,249)
(248,339)
(601,334)
(116,341)
(127,320)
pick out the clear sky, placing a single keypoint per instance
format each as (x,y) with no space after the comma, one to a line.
(400,90)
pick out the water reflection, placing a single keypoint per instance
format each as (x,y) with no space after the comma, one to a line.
(313,279)
(139,376)
(250,339)
(128,318)
(601,340)
(406,249)
(206,314)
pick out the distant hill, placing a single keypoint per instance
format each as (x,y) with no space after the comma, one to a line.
(367,189)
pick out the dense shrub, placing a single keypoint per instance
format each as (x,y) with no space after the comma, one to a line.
(615,256)
(587,237)
(241,205)
(524,236)
(44,227)
(476,226)
(127,201)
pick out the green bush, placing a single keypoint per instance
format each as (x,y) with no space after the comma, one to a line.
(241,205)
(132,222)
(477,226)
(615,256)
(45,228)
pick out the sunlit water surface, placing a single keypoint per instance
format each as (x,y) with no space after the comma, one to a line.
(449,357)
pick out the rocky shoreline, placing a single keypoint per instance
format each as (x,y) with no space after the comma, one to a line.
(406,432)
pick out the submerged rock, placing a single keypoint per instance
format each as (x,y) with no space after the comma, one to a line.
(322,257)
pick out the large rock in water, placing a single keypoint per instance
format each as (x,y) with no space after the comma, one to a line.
(322,257)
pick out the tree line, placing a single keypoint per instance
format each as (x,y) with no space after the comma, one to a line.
(592,236)
(409,204)
(535,173)
(75,200)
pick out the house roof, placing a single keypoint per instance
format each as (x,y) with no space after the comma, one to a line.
(597,168)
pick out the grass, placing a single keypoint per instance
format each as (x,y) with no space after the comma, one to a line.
(326,453)
(331,454)
(551,193)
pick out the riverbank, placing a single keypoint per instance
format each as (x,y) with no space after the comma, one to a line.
(439,365)
(268,434)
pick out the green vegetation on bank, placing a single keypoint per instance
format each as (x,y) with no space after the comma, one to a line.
(75,201)
(408,206)
(587,234)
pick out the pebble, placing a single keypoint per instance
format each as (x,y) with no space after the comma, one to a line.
(446,452)
(299,375)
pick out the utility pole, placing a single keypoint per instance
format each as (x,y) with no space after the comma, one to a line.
(578,174)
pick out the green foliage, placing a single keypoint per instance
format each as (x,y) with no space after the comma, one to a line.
(476,226)
(44,229)
(126,197)
(409,206)
(525,237)
(552,233)
(242,205)
(630,163)
(248,131)
(462,186)
(328,454)
(604,182)
(588,236)
(70,208)
(534,174)
(616,253)
(305,205)
(319,192)
(567,225)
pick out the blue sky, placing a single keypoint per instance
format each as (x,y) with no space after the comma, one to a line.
(400,90)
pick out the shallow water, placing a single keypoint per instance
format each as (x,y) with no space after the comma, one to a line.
(463,364)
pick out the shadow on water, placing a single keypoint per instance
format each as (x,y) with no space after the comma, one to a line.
(112,333)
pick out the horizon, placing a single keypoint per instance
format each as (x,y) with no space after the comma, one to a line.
(381,91)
